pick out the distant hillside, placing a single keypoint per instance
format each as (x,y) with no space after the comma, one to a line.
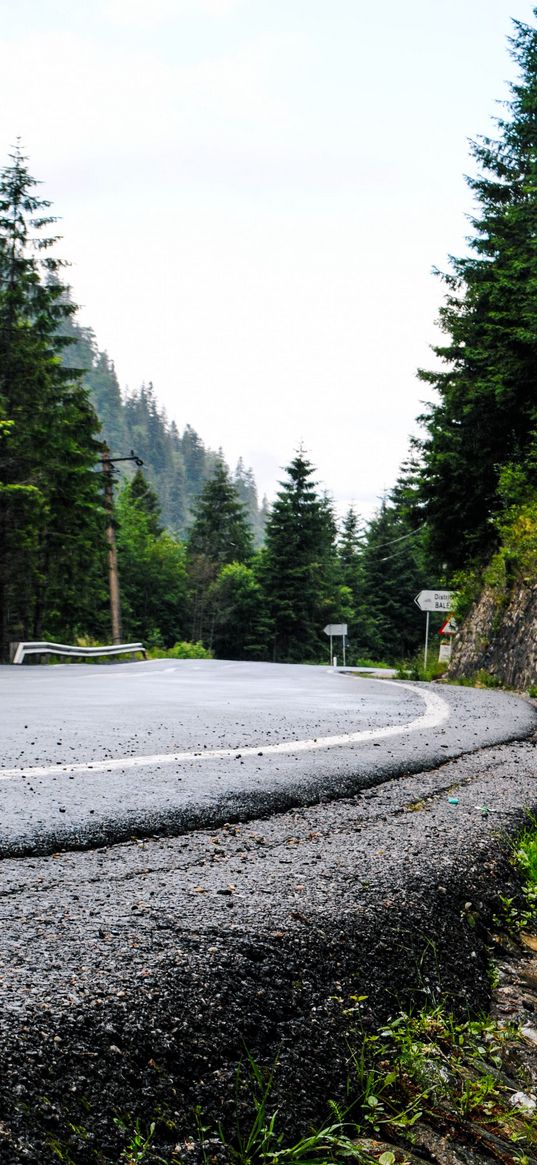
(177,464)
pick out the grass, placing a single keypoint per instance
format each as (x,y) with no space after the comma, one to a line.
(516,914)
(415,669)
(362,662)
(526,857)
(480,679)
(138,1142)
(425,1067)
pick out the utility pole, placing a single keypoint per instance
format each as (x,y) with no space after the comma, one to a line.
(108,464)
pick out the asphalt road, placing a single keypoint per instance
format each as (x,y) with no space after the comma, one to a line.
(133,976)
(96,754)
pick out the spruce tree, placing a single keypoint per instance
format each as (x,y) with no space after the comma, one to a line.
(393,569)
(486,415)
(195,458)
(144,498)
(350,551)
(99,378)
(299,566)
(220,534)
(244,482)
(51,521)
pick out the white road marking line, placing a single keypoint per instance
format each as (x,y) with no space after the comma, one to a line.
(117,675)
(436,713)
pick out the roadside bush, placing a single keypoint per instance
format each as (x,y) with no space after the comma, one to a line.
(182,650)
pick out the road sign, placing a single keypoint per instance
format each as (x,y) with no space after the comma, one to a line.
(435,600)
(449,627)
(335,629)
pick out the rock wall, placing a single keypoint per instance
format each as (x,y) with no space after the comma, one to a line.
(499,635)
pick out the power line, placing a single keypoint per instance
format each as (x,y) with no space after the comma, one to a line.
(383,545)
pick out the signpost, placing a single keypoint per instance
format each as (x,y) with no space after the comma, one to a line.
(433,601)
(446,631)
(332,629)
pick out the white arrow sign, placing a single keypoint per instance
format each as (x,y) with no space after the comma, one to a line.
(435,600)
(335,629)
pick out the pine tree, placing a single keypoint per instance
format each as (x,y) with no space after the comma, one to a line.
(299,566)
(487,412)
(393,568)
(51,520)
(350,551)
(144,499)
(194,454)
(220,534)
(99,377)
(244,482)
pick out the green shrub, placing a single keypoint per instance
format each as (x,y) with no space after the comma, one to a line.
(181,650)
(370,663)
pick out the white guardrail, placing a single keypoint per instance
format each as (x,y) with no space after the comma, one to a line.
(20,650)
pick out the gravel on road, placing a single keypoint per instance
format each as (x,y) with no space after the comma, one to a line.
(135,978)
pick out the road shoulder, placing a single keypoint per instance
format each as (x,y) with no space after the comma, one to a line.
(135,977)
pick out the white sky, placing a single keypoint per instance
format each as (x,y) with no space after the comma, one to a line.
(253,194)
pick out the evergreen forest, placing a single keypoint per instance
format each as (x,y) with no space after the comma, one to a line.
(206,567)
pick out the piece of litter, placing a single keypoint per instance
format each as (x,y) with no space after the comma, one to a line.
(523,1100)
(453,800)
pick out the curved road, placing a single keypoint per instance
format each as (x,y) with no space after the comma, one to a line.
(133,977)
(93,754)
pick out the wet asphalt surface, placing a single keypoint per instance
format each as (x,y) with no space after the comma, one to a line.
(134,977)
(94,755)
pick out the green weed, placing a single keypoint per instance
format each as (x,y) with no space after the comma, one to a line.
(526,856)
(415,669)
(405,1071)
(517,914)
(361,662)
(138,1142)
(263,1142)
(479,679)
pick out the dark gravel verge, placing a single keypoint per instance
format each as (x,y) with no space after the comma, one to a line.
(134,978)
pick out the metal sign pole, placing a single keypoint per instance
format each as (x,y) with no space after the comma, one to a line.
(336,629)
(433,601)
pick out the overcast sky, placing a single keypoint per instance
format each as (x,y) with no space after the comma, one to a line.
(253,194)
